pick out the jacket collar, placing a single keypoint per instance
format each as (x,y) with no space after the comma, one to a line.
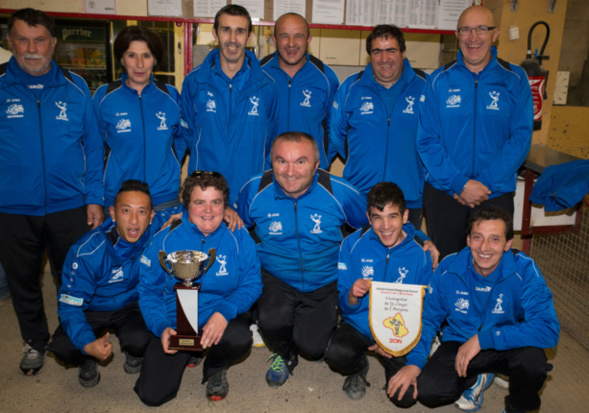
(14,74)
(460,266)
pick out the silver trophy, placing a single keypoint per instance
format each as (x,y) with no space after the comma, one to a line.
(187,266)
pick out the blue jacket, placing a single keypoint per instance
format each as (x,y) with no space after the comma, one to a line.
(475,126)
(143,135)
(232,121)
(562,186)
(51,156)
(510,308)
(298,239)
(305,100)
(376,145)
(100,273)
(229,288)
(363,256)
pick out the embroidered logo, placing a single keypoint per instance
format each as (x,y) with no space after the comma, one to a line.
(342,266)
(123,125)
(317,220)
(68,299)
(145,260)
(307,101)
(367,108)
(462,305)
(494,104)
(276,228)
(162,117)
(117,275)
(367,272)
(453,101)
(63,107)
(498,309)
(483,289)
(15,110)
(211,106)
(222,259)
(409,109)
(403,273)
(255,103)
(75,265)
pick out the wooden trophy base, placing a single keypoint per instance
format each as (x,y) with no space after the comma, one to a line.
(185,343)
(187,338)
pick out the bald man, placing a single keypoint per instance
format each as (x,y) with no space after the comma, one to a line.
(474,132)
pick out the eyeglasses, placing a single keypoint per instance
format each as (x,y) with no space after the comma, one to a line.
(196,174)
(466,31)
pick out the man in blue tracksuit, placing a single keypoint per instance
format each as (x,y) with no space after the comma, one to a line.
(475,131)
(306,84)
(228,289)
(99,288)
(499,314)
(230,104)
(298,211)
(51,163)
(373,121)
(388,251)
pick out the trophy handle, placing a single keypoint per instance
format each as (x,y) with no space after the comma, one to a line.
(162,256)
(212,257)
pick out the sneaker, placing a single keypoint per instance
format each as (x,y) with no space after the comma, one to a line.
(88,374)
(132,364)
(277,373)
(193,361)
(355,384)
(257,340)
(472,398)
(501,381)
(32,361)
(217,386)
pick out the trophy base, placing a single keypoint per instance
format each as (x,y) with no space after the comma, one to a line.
(185,343)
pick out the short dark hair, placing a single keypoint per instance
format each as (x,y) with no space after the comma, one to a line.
(233,10)
(204,180)
(385,193)
(296,137)
(385,31)
(142,34)
(134,185)
(291,14)
(32,17)
(492,213)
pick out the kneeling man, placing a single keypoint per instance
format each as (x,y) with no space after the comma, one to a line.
(500,318)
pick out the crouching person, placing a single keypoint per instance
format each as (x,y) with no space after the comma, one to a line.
(228,290)
(387,250)
(500,318)
(99,288)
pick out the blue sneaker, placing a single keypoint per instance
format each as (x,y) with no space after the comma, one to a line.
(472,398)
(278,373)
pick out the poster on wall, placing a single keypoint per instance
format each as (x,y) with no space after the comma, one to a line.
(328,11)
(254,7)
(207,8)
(100,6)
(288,6)
(171,8)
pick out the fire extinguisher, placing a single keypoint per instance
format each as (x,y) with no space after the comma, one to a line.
(537,75)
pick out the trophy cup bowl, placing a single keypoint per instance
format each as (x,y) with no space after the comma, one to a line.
(186,266)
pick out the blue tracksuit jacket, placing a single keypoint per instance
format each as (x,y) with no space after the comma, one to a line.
(475,126)
(376,145)
(232,121)
(144,136)
(305,100)
(363,256)
(300,238)
(230,287)
(510,308)
(51,156)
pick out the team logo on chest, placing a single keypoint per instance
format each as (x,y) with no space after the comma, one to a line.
(495,100)
(498,309)
(402,274)
(367,272)
(123,125)
(15,110)
(255,101)
(275,228)
(367,108)
(453,101)
(222,259)
(307,101)
(462,305)
(162,117)
(316,218)
(117,275)
(410,101)
(62,111)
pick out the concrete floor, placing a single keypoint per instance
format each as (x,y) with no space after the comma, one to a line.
(313,388)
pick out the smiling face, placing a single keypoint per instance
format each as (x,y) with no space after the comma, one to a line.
(487,243)
(388,224)
(206,209)
(232,35)
(291,38)
(294,165)
(132,214)
(476,48)
(138,62)
(386,59)
(32,47)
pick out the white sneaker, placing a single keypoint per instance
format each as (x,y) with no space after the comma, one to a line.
(502,381)
(257,337)
(472,398)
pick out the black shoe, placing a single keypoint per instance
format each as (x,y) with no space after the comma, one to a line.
(88,374)
(132,364)
(355,384)
(193,361)
(217,386)
(32,361)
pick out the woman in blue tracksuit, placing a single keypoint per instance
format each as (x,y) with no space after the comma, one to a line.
(140,120)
